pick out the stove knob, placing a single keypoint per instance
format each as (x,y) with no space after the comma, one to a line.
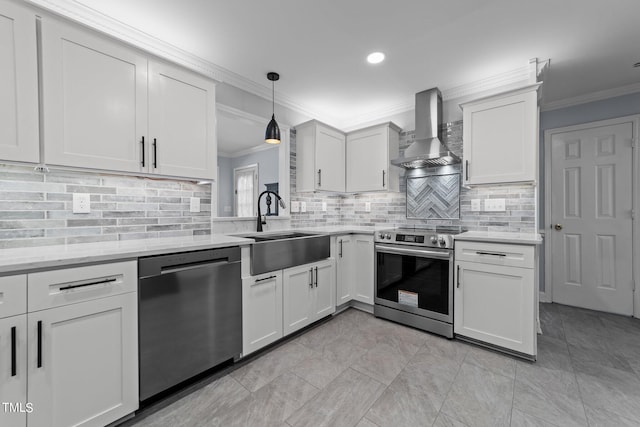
(388,236)
(381,235)
(442,241)
(434,240)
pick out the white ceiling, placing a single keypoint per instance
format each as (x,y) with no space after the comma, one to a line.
(238,135)
(319,47)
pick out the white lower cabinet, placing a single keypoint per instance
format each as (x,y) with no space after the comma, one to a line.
(495,302)
(354,269)
(261,311)
(83,362)
(13,371)
(308,294)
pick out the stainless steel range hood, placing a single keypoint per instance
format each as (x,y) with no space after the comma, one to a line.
(427,149)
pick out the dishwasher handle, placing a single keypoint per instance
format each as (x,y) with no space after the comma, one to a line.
(172,263)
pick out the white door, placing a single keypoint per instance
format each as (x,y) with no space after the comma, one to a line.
(367,160)
(330,154)
(94,100)
(591,218)
(298,293)
(325,285)
(363,289)
(83,371)
(18,84)
(182,122)
(345,269)
(261,311)
(245,190)
(13,370)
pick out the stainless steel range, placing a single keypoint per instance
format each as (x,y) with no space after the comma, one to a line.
(414,278)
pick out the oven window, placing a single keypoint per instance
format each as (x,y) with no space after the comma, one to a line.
(413,281)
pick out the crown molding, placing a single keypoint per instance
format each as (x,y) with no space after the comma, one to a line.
(591,97)
(252,150)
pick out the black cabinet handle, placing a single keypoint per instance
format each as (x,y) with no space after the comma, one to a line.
(316,277)
(142,142)
(319,177)
(458,278)
(39,343)
(466,169)
(13,351)
(383,173)
(100,282)
(491,253)
(311,278)
(340,248)
(264,278)
(155,153)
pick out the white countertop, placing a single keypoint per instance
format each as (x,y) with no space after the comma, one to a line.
(501,237)
(25,259)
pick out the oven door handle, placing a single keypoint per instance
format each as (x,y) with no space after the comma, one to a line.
(423,253)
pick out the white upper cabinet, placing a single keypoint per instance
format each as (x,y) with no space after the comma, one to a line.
(18,84)
(182,124)
(501,138)
(109,106)
(94,100)
(369,154)
(320,158)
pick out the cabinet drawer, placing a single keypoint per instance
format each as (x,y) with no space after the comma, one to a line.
(56,288)
(13,295)
(497,254)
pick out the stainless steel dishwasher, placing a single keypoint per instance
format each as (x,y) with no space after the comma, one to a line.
(190,315)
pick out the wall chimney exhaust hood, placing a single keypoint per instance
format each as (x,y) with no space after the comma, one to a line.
(427,149)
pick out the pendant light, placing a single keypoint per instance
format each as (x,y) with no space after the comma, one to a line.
(272,135)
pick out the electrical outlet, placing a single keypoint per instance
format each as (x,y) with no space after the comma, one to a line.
(81,203)
(367,206)
(324,206)
(303,206)
(494,205)
(295,206)
(475,205)
(194,204)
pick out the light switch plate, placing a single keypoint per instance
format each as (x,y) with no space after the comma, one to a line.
(303,206)
(324,206)
(194,204)
(81,203)
(475,205)
(367,206)
(295,206)
(494,205)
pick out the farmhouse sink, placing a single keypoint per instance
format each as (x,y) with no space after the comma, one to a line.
(272,252)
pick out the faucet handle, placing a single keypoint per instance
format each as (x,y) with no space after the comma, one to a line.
(263,219)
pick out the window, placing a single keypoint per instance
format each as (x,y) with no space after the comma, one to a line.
(246,190)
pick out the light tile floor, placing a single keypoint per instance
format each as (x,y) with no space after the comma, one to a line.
(356,370)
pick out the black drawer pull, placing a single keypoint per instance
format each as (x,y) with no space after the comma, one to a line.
(13,351)
(265,278)
(142,151)
(155,153)
(64,288)
(491,253)
(39,343)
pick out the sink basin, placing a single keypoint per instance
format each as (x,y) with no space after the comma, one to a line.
(272,252)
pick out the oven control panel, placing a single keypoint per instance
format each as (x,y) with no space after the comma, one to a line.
(409,238)
(426,239)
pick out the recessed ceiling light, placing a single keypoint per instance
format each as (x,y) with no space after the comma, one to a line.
(375,58)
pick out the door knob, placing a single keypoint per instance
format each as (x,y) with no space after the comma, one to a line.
(558,227)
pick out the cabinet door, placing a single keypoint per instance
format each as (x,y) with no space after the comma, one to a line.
(345,269)
(325,287)
(13,371)
(367,160)
(261,311)
(363,261)
(181,123)
(298,294)
(94,99)
(501,140)
(83,365)
(495,304)
(18,84)
(330,154)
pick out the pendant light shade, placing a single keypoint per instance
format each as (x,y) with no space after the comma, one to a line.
(272,135)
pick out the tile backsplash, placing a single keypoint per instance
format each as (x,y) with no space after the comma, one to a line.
(36,208)
(390,208)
